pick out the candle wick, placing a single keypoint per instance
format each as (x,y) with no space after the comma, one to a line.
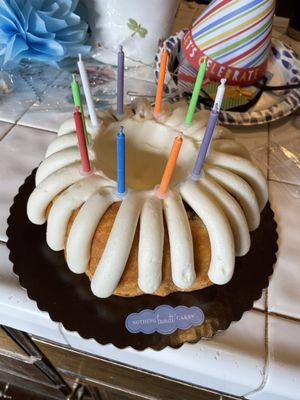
(179,136)
(216,108)
(121,132)
(74,77)
(76,108)
(202,60)
(120,48)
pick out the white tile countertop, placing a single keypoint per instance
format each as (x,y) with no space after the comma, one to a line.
(247,359)
(257,357)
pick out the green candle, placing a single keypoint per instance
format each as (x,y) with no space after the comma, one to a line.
(78,103)
(196,91)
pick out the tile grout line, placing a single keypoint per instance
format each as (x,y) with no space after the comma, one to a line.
(259,310)
(267,348)
(49,85)
(283,182)
(35,100)
(287,317)
(34,127)
(60,326)
(266,359)
(22,115)
(9,130)
(276,315)
(266,332)
(266,328)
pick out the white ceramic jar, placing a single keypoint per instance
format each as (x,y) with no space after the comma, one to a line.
(138,25)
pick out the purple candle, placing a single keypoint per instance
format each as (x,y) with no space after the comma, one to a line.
(205,143)
(120,84)
(213,118)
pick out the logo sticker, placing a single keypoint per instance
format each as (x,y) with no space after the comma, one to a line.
(164,319)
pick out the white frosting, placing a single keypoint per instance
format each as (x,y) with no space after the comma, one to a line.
(50,187)
(83,229)
(150,246)
(112,263)
(181,241)
(246,170)
(241,190)
(55,162)
(143,110)
(227,198)
(62,142)
(69,126)
(220,234)
(234,214)
(65,204)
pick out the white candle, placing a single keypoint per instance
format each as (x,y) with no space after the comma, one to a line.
(219,96)
(87,92)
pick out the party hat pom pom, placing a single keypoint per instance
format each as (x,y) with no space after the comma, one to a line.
(44,30)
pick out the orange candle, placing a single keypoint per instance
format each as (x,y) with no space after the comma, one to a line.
(160,82)
(169,169)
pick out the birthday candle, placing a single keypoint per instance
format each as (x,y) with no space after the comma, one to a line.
(196,91)
(170,166)
(121,162)
(160,82)
(85,162)
(120,82)
(87,92)
(220,95)
(209,130)
(78,102)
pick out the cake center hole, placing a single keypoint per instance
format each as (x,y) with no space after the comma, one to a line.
(147,148)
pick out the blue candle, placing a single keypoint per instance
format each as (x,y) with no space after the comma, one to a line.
(121,161)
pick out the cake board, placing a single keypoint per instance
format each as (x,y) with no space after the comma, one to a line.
(68,299)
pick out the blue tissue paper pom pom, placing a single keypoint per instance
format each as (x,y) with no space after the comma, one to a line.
(43,30)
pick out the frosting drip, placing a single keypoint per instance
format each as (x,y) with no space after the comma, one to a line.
(150,246)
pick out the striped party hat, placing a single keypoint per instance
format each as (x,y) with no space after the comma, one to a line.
(234,36)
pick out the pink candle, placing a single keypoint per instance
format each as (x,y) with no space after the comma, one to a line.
(85,162)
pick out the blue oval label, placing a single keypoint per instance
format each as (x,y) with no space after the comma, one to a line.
(164,319)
